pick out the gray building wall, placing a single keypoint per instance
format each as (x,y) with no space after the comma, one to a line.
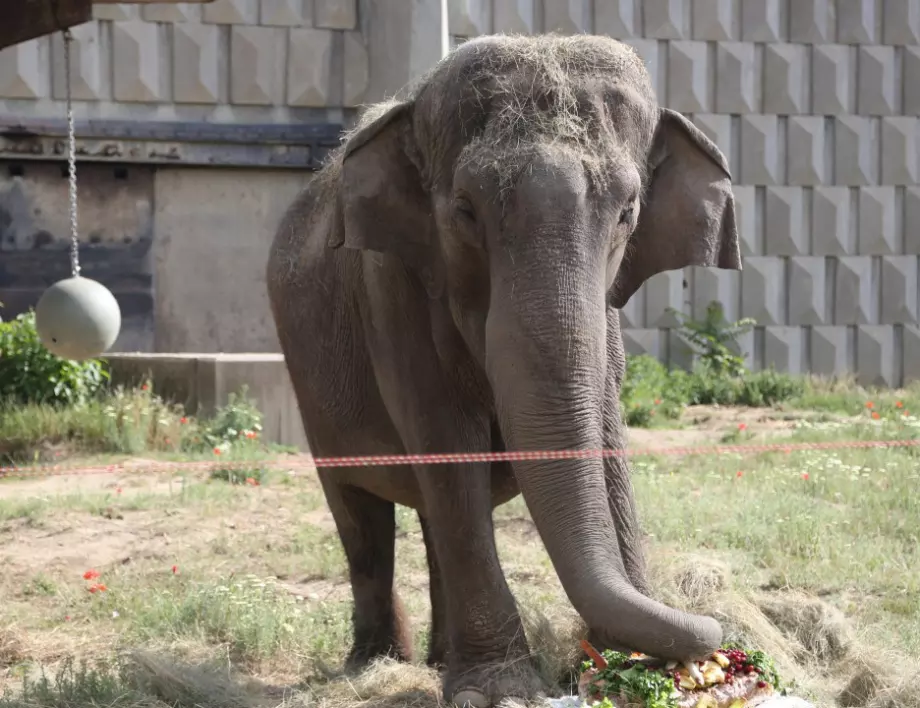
(815,103)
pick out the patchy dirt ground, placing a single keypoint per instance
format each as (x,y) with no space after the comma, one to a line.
(160,540)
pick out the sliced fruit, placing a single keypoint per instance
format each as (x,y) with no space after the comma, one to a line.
(721,659)
(686,681)
(738,703)
(707,701)
(694,672)
(712,673)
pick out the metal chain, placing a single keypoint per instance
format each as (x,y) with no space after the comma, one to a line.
(71,162)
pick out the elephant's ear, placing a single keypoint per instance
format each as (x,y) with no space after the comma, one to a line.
(688,218)
(383,204)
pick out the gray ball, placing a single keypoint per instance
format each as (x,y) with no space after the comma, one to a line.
(77,318)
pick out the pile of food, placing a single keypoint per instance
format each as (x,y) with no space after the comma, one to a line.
(730,678)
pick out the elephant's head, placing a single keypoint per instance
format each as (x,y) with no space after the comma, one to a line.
(530,181)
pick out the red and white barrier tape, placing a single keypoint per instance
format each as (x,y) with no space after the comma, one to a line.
(295,462)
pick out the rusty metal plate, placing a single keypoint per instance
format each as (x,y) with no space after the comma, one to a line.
(300,146)
(27,19)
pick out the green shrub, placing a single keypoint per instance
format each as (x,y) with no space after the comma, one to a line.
(769,387)
(719,377)
(713,338)
(125,420)
(237,421)
(29,373)
(650,391)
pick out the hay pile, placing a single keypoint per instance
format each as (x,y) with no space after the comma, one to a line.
(811,642)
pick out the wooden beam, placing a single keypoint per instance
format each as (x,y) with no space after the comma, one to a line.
(23,20)
(27,19)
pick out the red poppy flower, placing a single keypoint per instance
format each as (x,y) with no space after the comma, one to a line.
(875,415)
(216,450)
(175,570)
(870,404)
(739,473)
(805,476)
(183,420)
(742,426)
(899,405)
(91,574)
(144,387)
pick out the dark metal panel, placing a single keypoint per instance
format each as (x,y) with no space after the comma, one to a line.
(301,146)
(116,231)
(22,20)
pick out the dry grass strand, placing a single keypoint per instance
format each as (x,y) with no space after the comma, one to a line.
(821,629)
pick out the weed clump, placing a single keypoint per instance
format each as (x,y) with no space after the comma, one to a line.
(719,376)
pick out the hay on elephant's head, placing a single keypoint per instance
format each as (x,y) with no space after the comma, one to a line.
(529,90)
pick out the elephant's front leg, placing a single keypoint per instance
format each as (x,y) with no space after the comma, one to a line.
(437,399)
(487,659)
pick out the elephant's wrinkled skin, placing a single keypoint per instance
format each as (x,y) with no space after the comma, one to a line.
(450,282)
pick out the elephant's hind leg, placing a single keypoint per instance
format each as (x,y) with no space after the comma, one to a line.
(438,640)
(367,527)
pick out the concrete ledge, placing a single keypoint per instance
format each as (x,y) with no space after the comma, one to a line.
(204,382)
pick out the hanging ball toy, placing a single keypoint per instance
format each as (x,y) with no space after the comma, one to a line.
(77,318)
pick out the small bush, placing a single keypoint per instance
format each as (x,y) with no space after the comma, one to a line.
(29,373)
(649,391)
(714,337)
(124,421)
(719,377)
(237,421)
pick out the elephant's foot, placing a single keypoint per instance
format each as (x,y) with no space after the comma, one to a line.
(437,657)
(437,650)
(361,655)
(393,639)
(486,686)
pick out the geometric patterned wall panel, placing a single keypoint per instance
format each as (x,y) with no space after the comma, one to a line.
(815,103)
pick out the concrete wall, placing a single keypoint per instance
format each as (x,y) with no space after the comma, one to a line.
(814,101)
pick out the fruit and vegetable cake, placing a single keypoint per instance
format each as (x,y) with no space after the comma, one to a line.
(730,678)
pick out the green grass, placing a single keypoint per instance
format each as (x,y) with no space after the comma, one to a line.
(127,422)
(260,588)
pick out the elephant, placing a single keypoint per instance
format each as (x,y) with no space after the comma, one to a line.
(450,281)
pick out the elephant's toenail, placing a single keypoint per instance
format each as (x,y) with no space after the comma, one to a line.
(471,698)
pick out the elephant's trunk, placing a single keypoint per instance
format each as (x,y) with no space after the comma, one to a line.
(546,359)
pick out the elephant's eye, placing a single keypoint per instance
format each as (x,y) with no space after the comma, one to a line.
(464,209)
(626,215)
